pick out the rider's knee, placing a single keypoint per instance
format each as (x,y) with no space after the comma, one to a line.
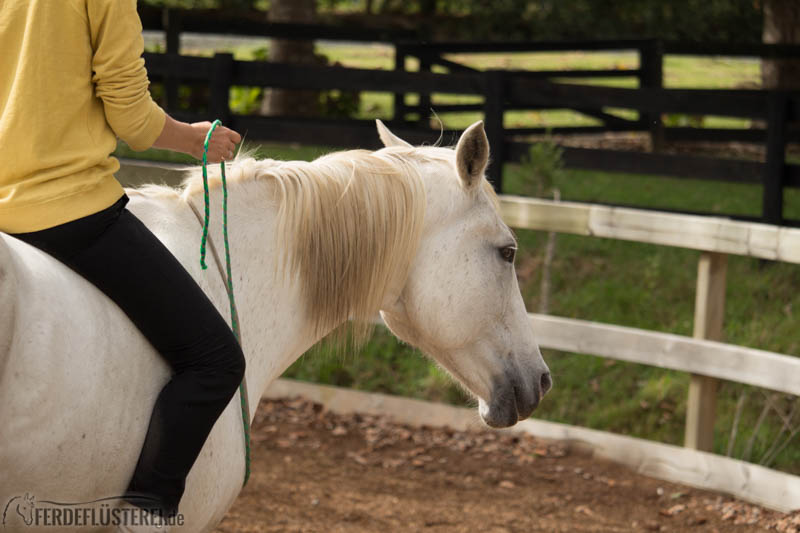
(222,364)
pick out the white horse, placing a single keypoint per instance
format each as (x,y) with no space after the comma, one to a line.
(412,232)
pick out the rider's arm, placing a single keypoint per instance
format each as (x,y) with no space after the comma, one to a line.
(118,72)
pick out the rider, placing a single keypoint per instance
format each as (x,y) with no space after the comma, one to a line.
(72,80)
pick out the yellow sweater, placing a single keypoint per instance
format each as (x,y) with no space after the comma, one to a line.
(72,80)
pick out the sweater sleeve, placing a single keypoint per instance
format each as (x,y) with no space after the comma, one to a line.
(119,75)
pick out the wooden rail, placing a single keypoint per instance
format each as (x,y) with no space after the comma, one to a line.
(698,356)
(702,233)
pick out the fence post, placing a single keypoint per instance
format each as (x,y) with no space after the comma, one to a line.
(219,97)
(493,106)
(775,169)
(171,22)
(424,98)
(400,54)
(709,312)
(651,64)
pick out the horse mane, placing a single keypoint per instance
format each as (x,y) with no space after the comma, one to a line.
(348,223)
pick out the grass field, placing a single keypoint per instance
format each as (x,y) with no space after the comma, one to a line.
(617,282)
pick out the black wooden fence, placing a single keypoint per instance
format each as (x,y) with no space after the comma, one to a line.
(503,90)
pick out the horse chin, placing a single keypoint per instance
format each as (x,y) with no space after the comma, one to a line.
(510,402)
(498,415)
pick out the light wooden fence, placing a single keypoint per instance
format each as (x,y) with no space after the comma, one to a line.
(706,359)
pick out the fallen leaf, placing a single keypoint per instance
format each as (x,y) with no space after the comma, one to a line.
(672,511)
(357,458)
(584,509)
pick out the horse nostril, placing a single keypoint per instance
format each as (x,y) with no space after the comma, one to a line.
(546,382)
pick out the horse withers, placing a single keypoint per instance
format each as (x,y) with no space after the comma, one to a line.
(411,232)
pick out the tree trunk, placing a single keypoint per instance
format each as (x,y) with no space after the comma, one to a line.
(283,101)
(781,26)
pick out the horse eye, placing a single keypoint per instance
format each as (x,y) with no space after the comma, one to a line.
(508,253)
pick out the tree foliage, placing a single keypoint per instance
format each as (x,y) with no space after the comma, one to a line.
(685,20)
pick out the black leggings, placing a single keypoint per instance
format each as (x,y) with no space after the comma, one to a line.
(118,254)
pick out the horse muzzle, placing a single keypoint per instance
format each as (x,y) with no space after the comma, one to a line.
(514,397)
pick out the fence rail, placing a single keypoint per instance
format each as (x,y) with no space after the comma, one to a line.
(759,368)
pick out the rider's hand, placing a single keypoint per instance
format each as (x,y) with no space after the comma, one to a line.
(189,139)
(221,146)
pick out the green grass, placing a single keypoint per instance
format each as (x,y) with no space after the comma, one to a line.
(660,192)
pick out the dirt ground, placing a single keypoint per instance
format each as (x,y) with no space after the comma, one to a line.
(315,471)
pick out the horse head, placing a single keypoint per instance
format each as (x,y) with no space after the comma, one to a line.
(25,508)
(461,303)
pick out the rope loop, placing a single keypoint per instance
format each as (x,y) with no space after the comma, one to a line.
(228,282)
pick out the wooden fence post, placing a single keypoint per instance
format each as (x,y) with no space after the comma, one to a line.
(400,54)
(424,98)
(171,21)
(219,97)
(493,107)
(775,169)
(709,312)
(651,64)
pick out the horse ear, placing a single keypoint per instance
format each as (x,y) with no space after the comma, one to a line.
(472,154)
(387,137)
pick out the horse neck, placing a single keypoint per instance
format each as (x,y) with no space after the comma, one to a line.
(280,315)
(270,314)
(276,328)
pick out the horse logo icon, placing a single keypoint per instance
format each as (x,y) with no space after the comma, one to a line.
(19,505)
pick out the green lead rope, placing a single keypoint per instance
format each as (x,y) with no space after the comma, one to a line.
(229,286)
